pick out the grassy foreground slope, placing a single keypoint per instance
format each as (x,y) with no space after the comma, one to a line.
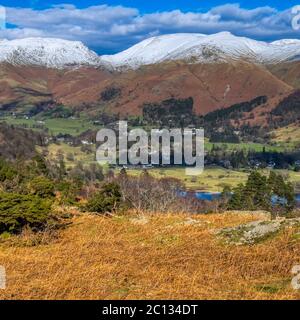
(151,257)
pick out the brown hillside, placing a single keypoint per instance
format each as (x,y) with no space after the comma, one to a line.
(288,72)
(212,86)
(22,85)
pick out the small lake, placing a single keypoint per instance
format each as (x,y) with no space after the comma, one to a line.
(210,196)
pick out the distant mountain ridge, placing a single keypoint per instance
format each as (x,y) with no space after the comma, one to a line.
(47,52)
(200,48)
(189,47)
(217,71)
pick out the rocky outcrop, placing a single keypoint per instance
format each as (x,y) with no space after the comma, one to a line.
(254,232)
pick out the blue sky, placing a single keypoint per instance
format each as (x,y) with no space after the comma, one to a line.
(113,25)
(152,5)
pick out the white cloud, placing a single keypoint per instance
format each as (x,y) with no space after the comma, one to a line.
(229,12)
(107,28)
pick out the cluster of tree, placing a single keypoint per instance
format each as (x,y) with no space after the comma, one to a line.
(219,124)
(18,143)
(38,107)
(57,111)
(110,93)
(29,188)
(281,160)
(227,135)
(237,159)
(20,210)
(105,118)
(105,201)
(286,112)
(257,134)
(147,193)
(235,111)
(86,173)
(262,193)
(26,195)
(223,156)
(171,113)
(179,113)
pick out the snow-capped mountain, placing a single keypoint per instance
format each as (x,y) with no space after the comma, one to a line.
(218,47)
(190,47)
(61,80)
(47,52)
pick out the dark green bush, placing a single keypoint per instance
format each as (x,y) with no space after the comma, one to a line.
(258,192)
(42,187)
(107,200)
(38,166)
(7,171)
(68,192)
(18,211)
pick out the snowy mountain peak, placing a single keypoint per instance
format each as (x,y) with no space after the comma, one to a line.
(48,52)
(286,42)
(193,47)
(189,47)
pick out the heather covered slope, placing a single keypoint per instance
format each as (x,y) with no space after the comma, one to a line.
(212,86)
(288,72)
(26,86)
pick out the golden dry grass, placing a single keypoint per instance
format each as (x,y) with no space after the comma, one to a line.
(287,134)
(164,258)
